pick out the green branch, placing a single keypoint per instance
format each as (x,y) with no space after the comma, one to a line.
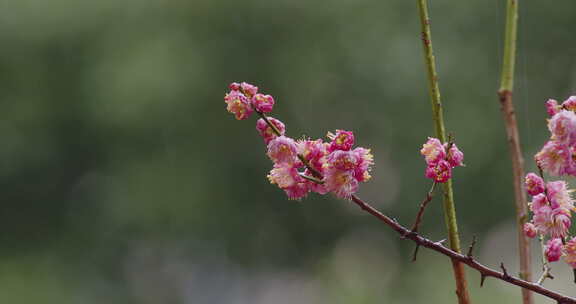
(437,115)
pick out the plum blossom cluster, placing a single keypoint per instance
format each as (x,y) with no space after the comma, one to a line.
(552,207)
(441,159)
(558,156)
(244,98)
(305,165)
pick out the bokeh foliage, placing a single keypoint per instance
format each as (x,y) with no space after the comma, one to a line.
(124,180)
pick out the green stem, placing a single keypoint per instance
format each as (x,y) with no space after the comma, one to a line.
(437,115)
(507,77)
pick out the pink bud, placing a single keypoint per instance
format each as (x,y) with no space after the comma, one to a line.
(553,250)
(263,103)
(534,184)
(529,230)
(234,86)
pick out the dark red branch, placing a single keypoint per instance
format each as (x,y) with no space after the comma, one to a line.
(471,262)
(422,208)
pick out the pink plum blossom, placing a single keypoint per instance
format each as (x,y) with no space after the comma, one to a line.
(266,131)
(530,230)
(305,165)
(555,158)
(248,89)
(314,152)
(282,149)
(534,184)
(455,157)
(570,252)
(538,201)
(284,175)
(315,187)
(543,219)
(559,195)
(238,105)
(439,162)
(563,127)
(341,182)
(433,151)
(553,222)
(365,162)
(570,103)
(553,250)
(560,223)
(441,172)
(343,160)
(342,140)
(263,103)
(552,107)
(297,191)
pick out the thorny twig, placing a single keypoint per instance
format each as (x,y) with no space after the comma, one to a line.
(464,259)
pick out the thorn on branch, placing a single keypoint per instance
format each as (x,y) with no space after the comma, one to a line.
(440,242)
(504,272)
(415,255)
(471,248)
(482,278)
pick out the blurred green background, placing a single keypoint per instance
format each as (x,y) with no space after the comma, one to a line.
(124,180)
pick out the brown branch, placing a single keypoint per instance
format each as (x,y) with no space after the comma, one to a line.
(418,220)
(422,208)
(519,194)
(464,259)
